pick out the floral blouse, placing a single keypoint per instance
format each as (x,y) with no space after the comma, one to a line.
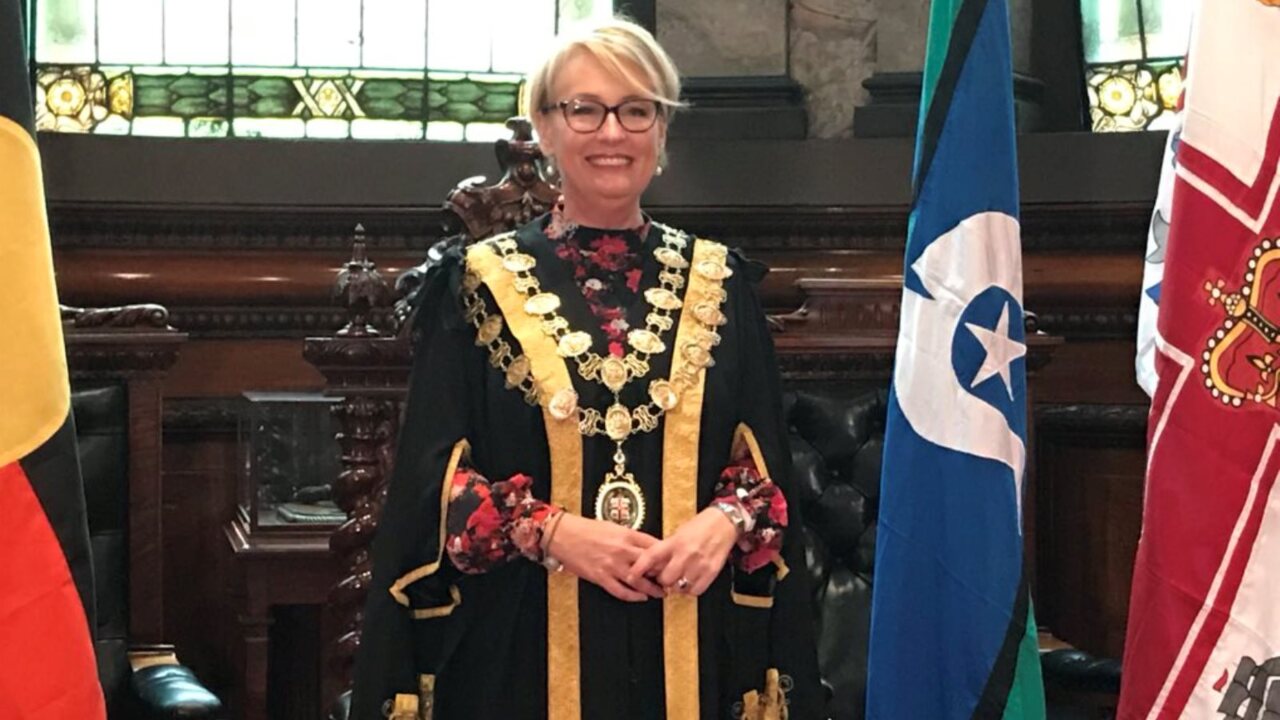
(489,523)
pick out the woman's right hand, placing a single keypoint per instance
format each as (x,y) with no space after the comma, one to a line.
(602,553)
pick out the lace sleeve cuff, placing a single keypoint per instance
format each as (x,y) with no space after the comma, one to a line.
(491,523)
(764,504)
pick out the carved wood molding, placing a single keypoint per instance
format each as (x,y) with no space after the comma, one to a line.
(115,352)
(122,317)
(1119,227)
(1094,425)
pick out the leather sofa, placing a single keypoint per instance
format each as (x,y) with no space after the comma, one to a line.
(836,447)
(140,683)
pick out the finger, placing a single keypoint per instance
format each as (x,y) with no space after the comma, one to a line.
(622,592)
(700,585)
(674,570)
(648,562)
(646,586)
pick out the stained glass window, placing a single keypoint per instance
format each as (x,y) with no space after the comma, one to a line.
(1133,53)
(338,69)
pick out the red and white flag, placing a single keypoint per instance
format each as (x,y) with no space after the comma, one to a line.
(1204,618)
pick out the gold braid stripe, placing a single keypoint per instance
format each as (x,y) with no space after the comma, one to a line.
(680,489)
(564,676)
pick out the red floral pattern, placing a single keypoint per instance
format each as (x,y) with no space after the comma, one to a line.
(606,266)
(741,483)
(491,523)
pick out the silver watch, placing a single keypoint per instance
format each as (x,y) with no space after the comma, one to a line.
(736,515)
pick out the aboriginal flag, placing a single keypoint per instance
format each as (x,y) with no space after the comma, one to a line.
(47,667)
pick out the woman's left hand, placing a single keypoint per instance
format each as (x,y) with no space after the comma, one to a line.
(696,552)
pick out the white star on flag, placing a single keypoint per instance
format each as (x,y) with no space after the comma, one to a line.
(1001,351)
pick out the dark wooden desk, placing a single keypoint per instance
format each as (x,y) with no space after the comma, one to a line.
(276,568)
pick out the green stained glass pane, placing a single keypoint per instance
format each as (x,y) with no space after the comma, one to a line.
(1111,31)
(196,32)
(386,130)
(160,126)
(329,33)
(446,131)
(1168,27)
(522,31)
(450,49)
(394,34)
(66,32)
(269,127)
(328,128)
(573,12)
(208,127)
(263,32)
(130,31)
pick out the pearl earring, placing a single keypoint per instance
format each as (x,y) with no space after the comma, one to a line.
(657,170)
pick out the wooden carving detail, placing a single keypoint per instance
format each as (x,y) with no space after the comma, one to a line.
(369,371)
(474,211)
(149,317)
(523,193)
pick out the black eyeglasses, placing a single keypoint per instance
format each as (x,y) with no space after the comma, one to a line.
(587,116)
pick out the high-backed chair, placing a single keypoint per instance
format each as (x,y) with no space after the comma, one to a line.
(117,358)
(836,434)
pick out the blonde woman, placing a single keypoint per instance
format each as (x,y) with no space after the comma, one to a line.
(588,516)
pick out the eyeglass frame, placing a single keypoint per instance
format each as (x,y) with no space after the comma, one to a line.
(563,106)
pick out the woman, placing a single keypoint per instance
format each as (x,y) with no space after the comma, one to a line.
(588,514)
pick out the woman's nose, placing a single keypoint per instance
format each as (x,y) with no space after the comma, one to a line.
(612,127)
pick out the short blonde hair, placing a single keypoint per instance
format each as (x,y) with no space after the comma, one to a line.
(622,47)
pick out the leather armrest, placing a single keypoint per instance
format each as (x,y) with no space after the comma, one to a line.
(168,690)
(1078,671)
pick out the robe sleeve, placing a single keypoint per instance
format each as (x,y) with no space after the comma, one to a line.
(412,592)
(492,523)
(762,429)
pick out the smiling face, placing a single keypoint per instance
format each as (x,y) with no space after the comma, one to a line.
(602,173)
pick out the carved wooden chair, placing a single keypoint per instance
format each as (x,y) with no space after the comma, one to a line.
(117,359)
(368,366)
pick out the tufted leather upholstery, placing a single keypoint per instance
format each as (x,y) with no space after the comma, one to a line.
(160,691)
(836,446)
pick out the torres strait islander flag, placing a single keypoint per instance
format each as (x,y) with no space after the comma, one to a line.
(1204,617)
(952,632)
(47,667)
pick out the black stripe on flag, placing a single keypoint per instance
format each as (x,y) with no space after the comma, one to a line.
(995,696)
(963,31)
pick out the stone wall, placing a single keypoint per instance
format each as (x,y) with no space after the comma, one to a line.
(828,46)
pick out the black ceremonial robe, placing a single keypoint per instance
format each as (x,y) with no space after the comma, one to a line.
(518,642)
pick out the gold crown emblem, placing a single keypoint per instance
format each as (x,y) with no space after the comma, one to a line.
(1239,360)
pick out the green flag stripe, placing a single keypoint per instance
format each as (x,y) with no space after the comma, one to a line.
(936,98)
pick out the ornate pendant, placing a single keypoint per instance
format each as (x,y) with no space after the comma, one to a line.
(620,501)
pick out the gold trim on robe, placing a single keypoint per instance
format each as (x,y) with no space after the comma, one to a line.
(680,499)
(460,449)
(564,676)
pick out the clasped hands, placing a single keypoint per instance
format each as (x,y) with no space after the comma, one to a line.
(635,566)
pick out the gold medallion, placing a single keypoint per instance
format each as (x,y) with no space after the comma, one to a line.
(663,394)
(662,298)
(662,322)
(489,330)
(713,270)
(706,338)
(674,279)
(698,355)
(517,371)
(574,344)
(671,258)
(542,304)
(709,314)
(613,373)
(620,501)
(646,341)
(518,262)
(617,422)
(563,404)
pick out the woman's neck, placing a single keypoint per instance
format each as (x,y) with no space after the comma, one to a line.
(623,215)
